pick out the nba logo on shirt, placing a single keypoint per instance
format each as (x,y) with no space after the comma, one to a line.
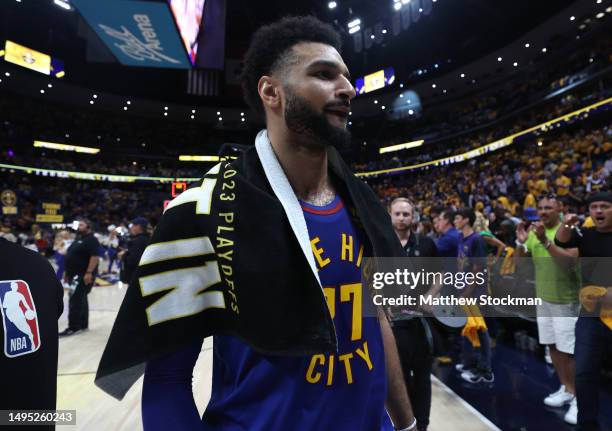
(19,319)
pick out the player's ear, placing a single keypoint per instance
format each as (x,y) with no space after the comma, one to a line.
(269,92)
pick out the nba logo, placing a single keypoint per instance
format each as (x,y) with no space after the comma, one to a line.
(21,335)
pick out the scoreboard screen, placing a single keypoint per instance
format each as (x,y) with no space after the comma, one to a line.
(375,81)
(188,16)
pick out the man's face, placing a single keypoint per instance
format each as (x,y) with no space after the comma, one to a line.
(401,216)
(460,222)
(136,229)
(83,227)
(548,210)
(601,212)
(441,224)
(317,95)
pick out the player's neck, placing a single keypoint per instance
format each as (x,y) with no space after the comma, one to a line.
(305,167)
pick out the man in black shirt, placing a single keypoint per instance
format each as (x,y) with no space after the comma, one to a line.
(414,335)
(139,240)
(593,329)
(31,303)
(82,260)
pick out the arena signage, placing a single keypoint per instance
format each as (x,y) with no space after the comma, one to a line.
(138,33)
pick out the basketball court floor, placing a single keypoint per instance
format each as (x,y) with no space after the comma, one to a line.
(511,402)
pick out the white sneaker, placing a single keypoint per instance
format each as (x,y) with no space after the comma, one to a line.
(571,417)
(559,398)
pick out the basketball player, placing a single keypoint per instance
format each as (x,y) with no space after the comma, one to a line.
(295,77)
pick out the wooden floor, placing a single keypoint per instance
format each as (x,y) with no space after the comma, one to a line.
(79,356)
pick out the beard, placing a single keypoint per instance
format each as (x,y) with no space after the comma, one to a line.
(302,119)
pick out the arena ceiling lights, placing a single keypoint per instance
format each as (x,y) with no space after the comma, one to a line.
(398,147)
(65,147)
(476,152)
(579,114)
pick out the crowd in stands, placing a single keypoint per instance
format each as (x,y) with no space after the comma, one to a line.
(502,185)
(508,108)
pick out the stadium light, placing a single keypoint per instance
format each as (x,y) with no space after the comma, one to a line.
(354,23)
(95,96)
(50,85)
(410,112)
(463,75)
(499,59)
(398,147)
(433,85)
(515,64)
(527,45)
(544,49)
(384,31)
(189,158)
(355,29)
(62,3)
(332,5)
(42,91)
(600,15)
(397,6)
(64,147)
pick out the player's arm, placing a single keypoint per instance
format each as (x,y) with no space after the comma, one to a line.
(167,397)
(398,403)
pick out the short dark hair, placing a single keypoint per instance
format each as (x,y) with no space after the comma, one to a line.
(447,214)
(467,213)
(270,50)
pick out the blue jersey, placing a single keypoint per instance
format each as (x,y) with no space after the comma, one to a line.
(340,391)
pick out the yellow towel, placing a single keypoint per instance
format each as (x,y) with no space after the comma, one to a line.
(475,322)
(589,296)
(508,265)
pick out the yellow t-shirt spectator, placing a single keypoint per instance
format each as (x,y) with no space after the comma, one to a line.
(563,184)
